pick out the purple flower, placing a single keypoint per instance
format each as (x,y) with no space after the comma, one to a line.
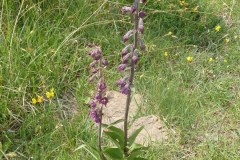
(141,14)
(96,53)
(126,9)
(140,25)
(101,85)
(125,89)
(121,67)
(95,116)
(92,103)
(98,96)
(126,58)
(127,35)
(104,101)
(104,62)
(135,59)
(134,7)
(142,45)
(125,49)
(121,82)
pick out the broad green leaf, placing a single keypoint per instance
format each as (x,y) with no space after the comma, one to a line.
(113,153)
(134,135)
(135,147)
(115,138)
(115,134)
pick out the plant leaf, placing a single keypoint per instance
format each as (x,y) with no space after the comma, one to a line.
(134,135)
(113,153)
(91,150)
(116,135)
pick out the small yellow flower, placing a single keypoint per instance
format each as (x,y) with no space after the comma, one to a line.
(210,59)
(227,40)
(189,59)
(225,61)
(169,33)
(34,100)
(50,94)
(166,54)
(195,9)
(39,99)
(235,37)
(217,28)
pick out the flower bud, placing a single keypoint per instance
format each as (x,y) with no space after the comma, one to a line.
(92,63)
(101,85)
(126,58)
(126,9)
(92,103)
(140,25)
(121,82)
(121,67)
(94,70)
(104,62)
(135,59)
(125,89)
(141,14)
(104,101)
(134,7)
(127,35)
(125,49)
(142,45)
(92,78)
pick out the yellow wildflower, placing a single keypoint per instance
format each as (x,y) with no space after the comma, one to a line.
(225,61)
(166,54)
(39,99)
(34,100)
(169,33)
(189,59)
(210,59)
(217,28)
(50,94)
(195,9)
(227,40)
(235,37)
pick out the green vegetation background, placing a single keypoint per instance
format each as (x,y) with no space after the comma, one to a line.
(43,45)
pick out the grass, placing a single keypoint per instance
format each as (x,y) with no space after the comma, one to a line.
(43,46)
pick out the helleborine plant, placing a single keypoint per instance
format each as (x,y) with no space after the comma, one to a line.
(124,147)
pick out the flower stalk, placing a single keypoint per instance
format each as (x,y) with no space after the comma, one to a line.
(97,103)
(130,53)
